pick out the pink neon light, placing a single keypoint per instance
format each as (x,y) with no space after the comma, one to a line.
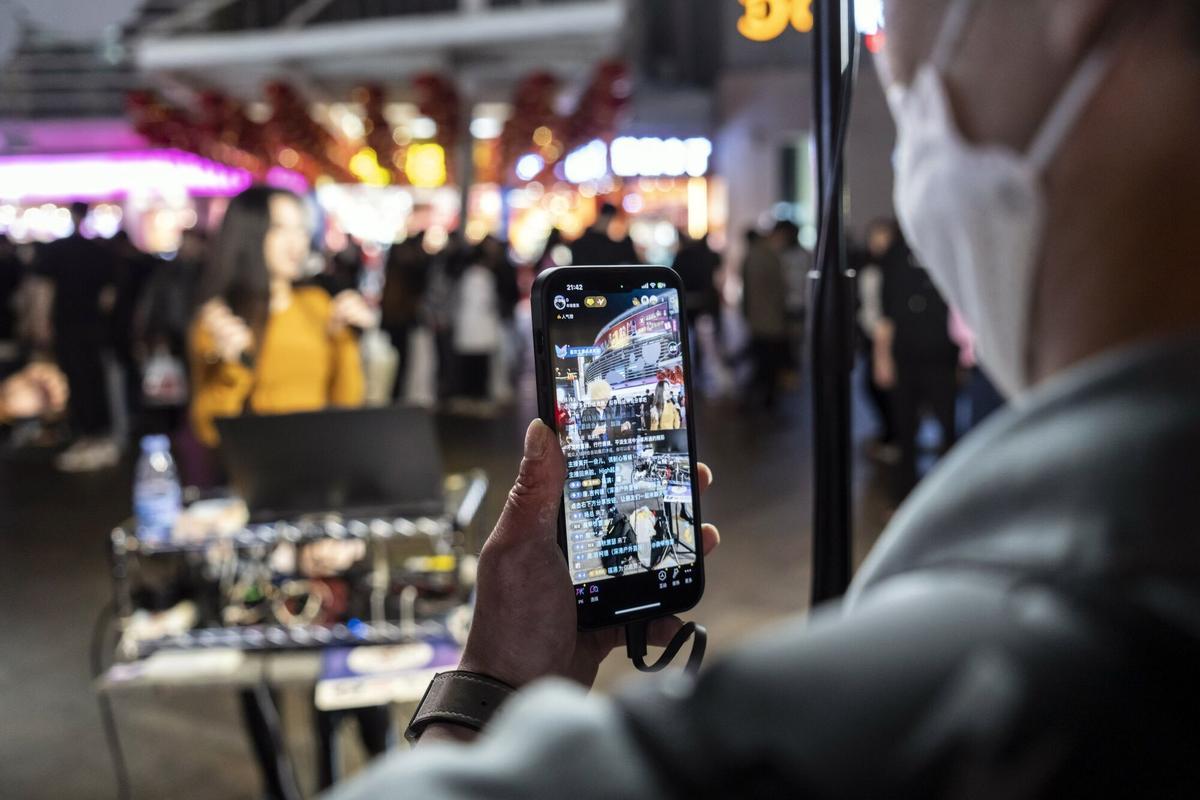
(113,176)
(286,179)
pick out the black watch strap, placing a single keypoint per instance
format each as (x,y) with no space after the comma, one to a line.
(466,699)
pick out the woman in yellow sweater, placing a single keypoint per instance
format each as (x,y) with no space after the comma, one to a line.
(258,344)
(664,414)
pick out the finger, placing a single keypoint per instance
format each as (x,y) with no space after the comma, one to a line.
(532,506)
(705,475)
(710,537)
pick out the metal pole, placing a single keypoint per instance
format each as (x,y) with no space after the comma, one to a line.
(833,313)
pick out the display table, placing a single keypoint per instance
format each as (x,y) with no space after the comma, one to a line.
(413,578)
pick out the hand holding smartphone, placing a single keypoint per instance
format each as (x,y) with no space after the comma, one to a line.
(614,381)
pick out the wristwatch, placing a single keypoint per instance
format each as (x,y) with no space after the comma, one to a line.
(466,699)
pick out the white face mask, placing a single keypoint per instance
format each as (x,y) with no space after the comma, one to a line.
(975,215)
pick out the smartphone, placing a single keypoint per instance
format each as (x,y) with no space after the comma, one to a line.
(614,380)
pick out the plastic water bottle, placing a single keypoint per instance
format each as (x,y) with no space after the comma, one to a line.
(157,497)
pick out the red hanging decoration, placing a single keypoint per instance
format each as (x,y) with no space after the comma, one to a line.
(673,375)
(161,124)
(438,99)
(533,108)
(379,131)
(598,114)
(230,136)
(297,142)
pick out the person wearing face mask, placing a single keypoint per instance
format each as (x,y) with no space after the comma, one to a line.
(1028,624)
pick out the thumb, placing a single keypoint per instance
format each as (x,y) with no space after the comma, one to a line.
(531,510)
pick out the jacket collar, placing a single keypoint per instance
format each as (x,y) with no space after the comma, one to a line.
(1096,472)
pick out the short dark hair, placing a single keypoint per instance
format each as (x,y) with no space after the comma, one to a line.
(607,210)
(787,229)
(79,209)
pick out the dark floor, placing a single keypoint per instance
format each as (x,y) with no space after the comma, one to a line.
(189,743)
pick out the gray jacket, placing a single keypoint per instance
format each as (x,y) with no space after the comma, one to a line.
(1027,627)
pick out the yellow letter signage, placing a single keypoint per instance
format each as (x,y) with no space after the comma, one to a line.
(765,20)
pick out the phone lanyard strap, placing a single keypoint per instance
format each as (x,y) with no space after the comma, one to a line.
(635,647)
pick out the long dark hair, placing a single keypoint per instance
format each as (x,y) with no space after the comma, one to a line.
(660,397)
(237,269)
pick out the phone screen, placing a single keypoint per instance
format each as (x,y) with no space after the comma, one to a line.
(622,411)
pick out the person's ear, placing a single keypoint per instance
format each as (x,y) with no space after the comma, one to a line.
(1074,27)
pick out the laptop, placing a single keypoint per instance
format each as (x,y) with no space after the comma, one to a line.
(373,462)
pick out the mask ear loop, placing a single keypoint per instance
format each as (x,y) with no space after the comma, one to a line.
(1067,111)
(954,29)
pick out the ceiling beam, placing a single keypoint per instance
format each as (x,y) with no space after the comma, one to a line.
(303,14)
(424,34)
(194,12)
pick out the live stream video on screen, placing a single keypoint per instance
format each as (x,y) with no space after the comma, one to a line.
(622,415)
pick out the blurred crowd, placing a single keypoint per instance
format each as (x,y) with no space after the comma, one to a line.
(917,356)
(253,318)
(919,359)
(604,417)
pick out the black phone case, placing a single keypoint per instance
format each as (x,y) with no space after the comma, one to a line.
(545,401)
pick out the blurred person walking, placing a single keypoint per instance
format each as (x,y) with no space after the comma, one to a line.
(698,264)
(165,313)
(82,277)
(882,234)
(132,271)
(406,280)
(161,325)
(915,358)
(552,253)
(12,275)
(983,398)
(764,303)
(797,264)
(441,304)
(597,248)
(344,270)
(494,254)
(478,329)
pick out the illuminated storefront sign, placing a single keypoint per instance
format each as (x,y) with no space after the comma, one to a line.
(764,20)
(653,158)
(630,157)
